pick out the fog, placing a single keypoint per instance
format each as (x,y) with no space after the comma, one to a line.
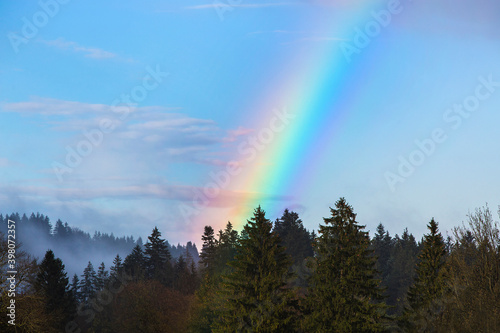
(36,234)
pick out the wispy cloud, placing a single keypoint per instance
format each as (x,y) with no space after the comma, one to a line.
(233,135)
(248,5)
(277,31)
(56,107)
(300,36)
(5,162)
(314,39)
(155,132)
(88,52)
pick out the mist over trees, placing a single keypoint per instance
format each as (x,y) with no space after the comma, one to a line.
(270,277)
(75,247)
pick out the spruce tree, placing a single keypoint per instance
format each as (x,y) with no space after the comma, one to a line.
(257,297)
(157,259)
(75,288)
(294,237)
(207,256)
(115,270)
(401,274)
(102,276)
(134,264)
(424,296)
(344,295)
(53,284)
(88,283)
(382,245)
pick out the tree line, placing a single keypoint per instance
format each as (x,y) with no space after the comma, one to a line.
(278,277)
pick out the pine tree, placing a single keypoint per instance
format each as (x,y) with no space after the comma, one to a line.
(134,264)
(216,253)
(382,245)
(209,247)
(115,270)
(425,294)
(52,283)
(102,276)
(344,295)
(294,237)
(227,244)
(401,266)
(88,283)
(75,288)
(257,297)
(157,259)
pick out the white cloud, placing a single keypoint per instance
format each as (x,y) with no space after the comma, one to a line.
(233,135)
(314,39)
(89,52)
(249,5)
(57,107)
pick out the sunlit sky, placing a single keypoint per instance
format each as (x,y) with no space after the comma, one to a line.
(116,115)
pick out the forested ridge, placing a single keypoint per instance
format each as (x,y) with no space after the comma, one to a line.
(272,276)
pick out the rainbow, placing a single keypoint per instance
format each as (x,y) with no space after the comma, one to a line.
(319,90)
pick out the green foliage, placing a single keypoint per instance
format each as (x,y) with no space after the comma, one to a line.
(158,259)
(424,296)
(297,242)
(382,246)
(215,256)
(88,283)
(400,271)
(344,295)
(53,285)
(257,297)
(134,264)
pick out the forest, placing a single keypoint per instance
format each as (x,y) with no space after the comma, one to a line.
(269,277)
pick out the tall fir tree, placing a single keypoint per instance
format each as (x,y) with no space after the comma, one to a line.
(344,295)
(53,284)
(102,276)
(382,245)
(88,283)
(75,288)
(134,264)
(257,297)
(294,237)
(208,250)
(425,295)
(117,267)
(401,266)
(215,256)
(158,259)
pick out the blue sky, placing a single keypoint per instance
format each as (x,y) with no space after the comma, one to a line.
(64,80)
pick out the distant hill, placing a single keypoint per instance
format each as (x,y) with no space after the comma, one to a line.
(74,246)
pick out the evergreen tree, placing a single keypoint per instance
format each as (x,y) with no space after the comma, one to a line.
(75,288)
(134,264)
(115,270)
(52,283)
(209,247)
(157,259)
(424,296)
(344,295)
(297,242)
(382,245)
(88,284)
(294,237)
(102,276)
(257,297)
(401,266)
(216,254)
(226,249)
